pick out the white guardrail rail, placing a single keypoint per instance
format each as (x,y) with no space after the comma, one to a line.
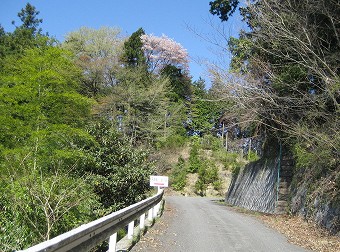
(91,234)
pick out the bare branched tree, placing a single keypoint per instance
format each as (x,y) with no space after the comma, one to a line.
(44,204)
(292,82)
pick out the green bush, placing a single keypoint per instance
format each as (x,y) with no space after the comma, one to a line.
(36,207)
(232,161)
(172,142)
(210,142)
(178,175)
(207,174)
(194,159)
(314,159)
(252,156)
(217,185)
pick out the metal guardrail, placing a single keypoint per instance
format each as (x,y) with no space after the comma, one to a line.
(91,234)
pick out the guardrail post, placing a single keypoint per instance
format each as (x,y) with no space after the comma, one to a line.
(130,229)
(155,211)
(113,243)
(158,206)
(150,214)
(142,221)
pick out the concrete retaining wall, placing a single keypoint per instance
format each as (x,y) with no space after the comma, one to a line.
(254,187)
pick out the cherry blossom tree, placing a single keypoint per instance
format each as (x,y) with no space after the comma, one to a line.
(163,51)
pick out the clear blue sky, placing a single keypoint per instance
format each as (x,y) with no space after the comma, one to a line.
(158,17)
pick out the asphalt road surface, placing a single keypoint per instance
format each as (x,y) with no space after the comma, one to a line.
(204,225)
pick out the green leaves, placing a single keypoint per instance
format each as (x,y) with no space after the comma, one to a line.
(38,90)
(121,172)
(97,53)
(38,206)
(28,17)
(141,104)
(206,109)
(43,147)
(60,166)
(223,8)
(179,175)
(133,55)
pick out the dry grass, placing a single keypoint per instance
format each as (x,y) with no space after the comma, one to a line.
(302,233)
(297,230)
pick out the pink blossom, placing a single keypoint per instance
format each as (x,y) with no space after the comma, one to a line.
(163,51)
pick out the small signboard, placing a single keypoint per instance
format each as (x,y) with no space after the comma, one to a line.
(160,181)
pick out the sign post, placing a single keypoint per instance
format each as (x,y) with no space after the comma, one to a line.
(160,182)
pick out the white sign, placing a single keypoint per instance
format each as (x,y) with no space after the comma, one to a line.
(160,181)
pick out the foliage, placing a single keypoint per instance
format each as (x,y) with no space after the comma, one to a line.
(163,51)
(37,205)
(241,49)
(138,105)
(285,81)
(59,166)
(121,171)
(28,17)
(180,84)
(178,175)
(206,109)
(291,85)
(62,146)
(98,53)
(173,141)
(231,160)
(195,161)
(223,8)
(198,163)
(308,156)
(26,35)
(210,142)
(39,90)
(207,174)
(179,95)
(252,156)
(133,55)
(42,141)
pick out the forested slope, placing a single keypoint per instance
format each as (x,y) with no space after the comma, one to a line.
(78,121)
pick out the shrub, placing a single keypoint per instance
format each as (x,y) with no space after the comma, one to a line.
(252,156)
(172,142)
(232,161)
(178,175)
(194,160)
(207,174)
(210,142)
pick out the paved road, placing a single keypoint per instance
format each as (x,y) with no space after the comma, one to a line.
(201,225)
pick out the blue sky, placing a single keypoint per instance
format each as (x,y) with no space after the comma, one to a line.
(158,17)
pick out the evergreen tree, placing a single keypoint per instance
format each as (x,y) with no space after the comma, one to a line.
(223,8)
(26,35)
(29,19)
(133,54)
